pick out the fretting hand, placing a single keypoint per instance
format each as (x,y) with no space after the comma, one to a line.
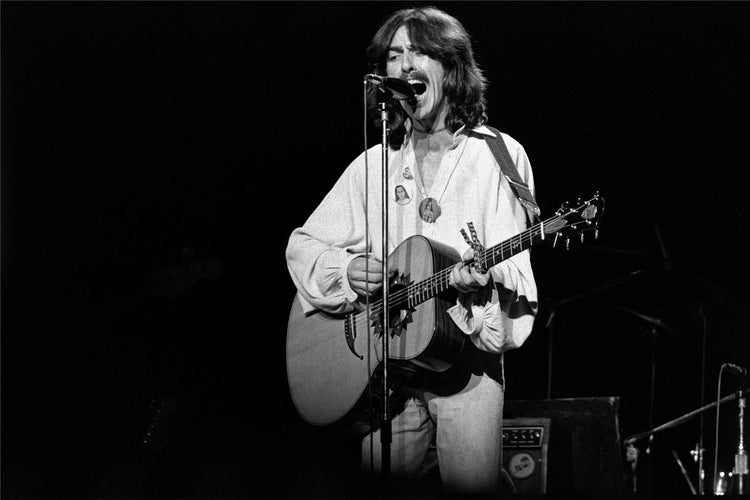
(465,278)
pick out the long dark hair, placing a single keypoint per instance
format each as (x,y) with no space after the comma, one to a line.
(443,38)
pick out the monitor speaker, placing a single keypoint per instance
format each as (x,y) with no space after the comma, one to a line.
(525,447)
(583,454)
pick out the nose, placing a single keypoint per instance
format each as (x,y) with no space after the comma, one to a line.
(407,62)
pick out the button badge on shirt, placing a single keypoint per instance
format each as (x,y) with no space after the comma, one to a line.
(402,195)
(407,173)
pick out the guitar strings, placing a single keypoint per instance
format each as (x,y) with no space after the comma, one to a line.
(440,278)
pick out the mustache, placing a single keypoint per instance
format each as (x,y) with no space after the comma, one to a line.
(418,75)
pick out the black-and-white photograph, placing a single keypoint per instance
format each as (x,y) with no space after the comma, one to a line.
(367,250)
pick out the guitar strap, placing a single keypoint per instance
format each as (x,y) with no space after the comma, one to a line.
(519,187)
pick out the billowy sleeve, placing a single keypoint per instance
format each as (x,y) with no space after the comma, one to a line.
(504,319)
(318,253)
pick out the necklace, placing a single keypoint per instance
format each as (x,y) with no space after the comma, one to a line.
(429,207)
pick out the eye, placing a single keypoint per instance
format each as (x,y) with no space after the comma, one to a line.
(393,57)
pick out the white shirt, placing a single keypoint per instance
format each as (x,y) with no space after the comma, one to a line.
(469,187)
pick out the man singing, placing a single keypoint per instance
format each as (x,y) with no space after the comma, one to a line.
(439,153)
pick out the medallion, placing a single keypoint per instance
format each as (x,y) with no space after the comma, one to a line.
(407,173)
(429,210)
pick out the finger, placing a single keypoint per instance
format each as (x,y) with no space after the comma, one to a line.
(459,278)
(370,266)
(481,278)
(364,288)
(466,276)
(472,279)
(454,277)
(363,276)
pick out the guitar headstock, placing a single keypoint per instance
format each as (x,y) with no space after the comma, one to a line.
(575,219)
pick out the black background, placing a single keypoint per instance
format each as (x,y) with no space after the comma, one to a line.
(141,136)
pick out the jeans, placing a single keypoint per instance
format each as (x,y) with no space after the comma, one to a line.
(462,411)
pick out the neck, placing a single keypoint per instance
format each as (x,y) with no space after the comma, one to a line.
(436,123)
(432,131)
(432,142)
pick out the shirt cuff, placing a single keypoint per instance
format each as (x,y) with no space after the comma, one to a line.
(469,321)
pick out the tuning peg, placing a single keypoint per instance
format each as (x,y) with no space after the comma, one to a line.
(567,243)
(596,234)
(581,236)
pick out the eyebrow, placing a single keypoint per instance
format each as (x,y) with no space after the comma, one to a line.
(395,49)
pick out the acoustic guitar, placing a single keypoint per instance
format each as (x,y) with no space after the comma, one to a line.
(332,359)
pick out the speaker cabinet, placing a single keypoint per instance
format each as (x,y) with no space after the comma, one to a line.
(584,455)
(525,445)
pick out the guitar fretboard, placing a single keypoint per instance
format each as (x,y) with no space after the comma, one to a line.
(417,293)
(583,217)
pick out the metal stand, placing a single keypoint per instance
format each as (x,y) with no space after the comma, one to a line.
(740,458)
(385,417)
(399,90)
(653,337)
(630,441)
(699,447)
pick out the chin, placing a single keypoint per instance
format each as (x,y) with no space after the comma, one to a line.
(423,113)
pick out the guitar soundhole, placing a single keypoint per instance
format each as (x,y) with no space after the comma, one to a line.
(399,314)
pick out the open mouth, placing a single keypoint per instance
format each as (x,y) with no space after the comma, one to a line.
(418,85)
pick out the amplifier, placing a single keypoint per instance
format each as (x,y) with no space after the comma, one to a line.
(585,457)
(525,446)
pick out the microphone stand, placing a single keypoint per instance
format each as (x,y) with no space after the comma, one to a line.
(385,417)
(399,89)
(700,450)
(740,458)
(630,441)
(684,418)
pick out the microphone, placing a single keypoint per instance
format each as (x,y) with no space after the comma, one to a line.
(401,89)
(736,370)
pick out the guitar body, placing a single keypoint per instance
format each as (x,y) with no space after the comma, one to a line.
(331,361)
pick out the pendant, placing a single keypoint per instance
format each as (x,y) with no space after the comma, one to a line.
(429,210)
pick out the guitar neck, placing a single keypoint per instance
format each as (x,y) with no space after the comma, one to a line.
(439,282)
(510,247)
